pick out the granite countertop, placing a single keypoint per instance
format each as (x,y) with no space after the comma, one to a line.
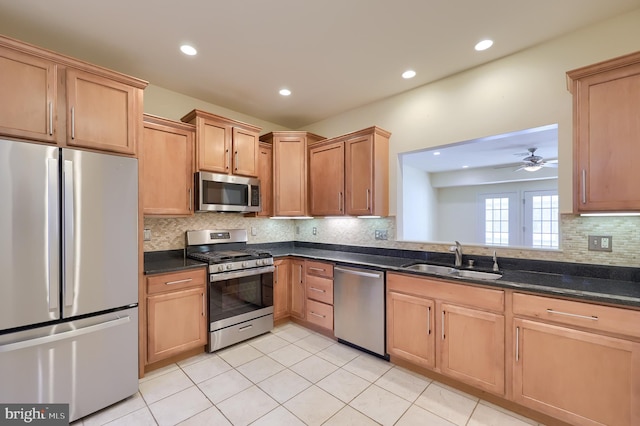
(589,288)
(597,283)
(158,262)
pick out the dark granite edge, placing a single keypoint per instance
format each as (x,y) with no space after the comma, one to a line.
(617,273)
(158,262)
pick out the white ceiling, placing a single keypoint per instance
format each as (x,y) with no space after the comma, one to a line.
(334,55)
(494,151)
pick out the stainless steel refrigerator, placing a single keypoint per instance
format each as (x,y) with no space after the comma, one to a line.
(68,277)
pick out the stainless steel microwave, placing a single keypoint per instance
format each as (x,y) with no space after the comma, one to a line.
(227,193)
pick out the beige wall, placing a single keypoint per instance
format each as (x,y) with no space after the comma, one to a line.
(524,90)
(174,105)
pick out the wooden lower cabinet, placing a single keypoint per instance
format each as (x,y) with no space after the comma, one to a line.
(456,330)
(580,377)
(410,328)
(281,288)
(472,346)
(298,292)
(176,313)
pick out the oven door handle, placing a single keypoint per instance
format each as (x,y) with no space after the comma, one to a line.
(241,273)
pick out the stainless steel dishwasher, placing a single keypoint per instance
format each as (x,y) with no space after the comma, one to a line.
(358,308)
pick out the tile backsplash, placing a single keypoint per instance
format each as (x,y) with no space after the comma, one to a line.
(168,234)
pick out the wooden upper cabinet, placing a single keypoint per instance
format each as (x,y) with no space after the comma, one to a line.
(52,98)
(606,132)
(290,171)
(166,164)
(265,175)
(102,114)
(350,174)
(326,179)
(224,145)
(28,87)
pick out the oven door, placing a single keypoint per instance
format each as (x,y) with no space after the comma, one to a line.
(239,295)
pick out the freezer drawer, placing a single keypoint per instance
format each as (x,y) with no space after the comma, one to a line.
(89,363)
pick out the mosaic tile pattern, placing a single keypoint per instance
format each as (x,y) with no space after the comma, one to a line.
(168,234)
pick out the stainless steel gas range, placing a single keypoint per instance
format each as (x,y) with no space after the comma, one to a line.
(240,289)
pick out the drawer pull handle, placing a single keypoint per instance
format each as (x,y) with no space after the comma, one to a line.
(246,327)
(178,282)
(317,289)
(311,268)
(589,317)
(317,315)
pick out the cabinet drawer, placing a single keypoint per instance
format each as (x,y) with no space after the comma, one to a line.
(596,317)
(320,289)
(320,314)
(320,269)
(175,280)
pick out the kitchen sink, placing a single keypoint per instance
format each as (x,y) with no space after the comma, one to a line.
(432,269)
(452,272)
(476,275)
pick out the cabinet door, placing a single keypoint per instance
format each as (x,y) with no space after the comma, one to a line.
(410,328)
(213,142)
(298,293)
(579,377)
(281,284)
(606,128)
(176,322)
(166,158)
(265,175)
(30,83)
(326,179)
(290,176)
(245,152)
(472,347)
(359,175)
(101,114)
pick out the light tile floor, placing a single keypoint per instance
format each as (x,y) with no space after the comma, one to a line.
(293,376)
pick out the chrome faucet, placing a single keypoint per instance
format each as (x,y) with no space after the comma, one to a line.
(495,262)
(458,251)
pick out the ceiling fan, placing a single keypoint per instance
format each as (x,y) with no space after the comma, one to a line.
(533,162)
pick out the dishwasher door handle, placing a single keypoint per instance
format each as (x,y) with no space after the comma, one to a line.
(361,274)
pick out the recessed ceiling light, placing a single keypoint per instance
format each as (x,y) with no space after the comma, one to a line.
(408,74)
(188,50)
(484,45)
(465,167)
(285,92)
(436,153)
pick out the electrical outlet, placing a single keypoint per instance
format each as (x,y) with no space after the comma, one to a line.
(297,229)
(254,231)
(315,231)
(600,243)
(147,234)
(381,234)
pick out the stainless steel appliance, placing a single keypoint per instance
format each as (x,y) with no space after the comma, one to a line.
(359,309)
(68,286)
(227,193)
(240,285)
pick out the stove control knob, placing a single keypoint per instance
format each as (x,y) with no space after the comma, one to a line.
(220,268)
(245,264)
(258,262)
(228,266)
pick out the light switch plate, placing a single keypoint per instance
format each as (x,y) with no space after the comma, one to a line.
(600,243)
(147,234)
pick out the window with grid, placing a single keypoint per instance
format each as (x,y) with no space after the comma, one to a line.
(541,219)
(498,223)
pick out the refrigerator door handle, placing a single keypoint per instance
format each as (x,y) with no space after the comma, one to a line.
(52,233)
(64,335)
(68,226)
